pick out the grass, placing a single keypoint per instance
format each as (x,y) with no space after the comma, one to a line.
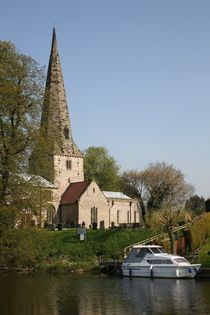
(62,251)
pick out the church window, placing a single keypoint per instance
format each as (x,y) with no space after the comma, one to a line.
(94,190)
(66,132)
(118,216)
(94,215)
(68,164)
(69,180)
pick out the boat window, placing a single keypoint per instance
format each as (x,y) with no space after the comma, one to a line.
(159,261)
(156,261)
(169,262)
(180,260)
(155,250)
(141,252)
(162,250)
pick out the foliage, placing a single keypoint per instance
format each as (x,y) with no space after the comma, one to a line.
(23,248)
(57,251)
(101,167)
(204,253)
(199,231)
(195,204)
(165,186)
(166,220)
(158,185)
(21,91)
(207,205)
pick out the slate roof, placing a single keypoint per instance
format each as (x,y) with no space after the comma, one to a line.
(115,195)
(73,192)
(36,180)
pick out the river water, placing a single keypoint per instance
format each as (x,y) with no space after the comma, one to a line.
(43,294)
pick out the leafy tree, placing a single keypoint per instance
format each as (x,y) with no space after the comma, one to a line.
(195,204)
(101,167)
(21,91)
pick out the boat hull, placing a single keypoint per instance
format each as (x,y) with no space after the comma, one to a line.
(160,271)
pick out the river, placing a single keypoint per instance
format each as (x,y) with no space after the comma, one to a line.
(74,294)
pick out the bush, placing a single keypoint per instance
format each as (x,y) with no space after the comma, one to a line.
(199,230)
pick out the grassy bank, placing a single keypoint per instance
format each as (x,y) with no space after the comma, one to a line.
(62,251)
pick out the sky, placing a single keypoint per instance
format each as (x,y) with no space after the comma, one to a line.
(136,73)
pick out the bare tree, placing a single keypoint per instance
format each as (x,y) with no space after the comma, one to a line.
(165,185)
(133,184)
(166,220)
(158,185)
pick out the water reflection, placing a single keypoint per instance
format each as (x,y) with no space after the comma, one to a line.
(91,295)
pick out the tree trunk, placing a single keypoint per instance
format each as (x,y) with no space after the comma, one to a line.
(172,241)
(142,206)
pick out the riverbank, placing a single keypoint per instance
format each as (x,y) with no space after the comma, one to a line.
(62,251)
(41,250)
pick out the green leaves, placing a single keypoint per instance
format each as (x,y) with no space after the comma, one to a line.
(21,92)
(101,167)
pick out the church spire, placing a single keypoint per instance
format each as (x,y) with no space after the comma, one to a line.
(55,122)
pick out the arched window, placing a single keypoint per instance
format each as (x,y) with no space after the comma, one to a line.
(66,132)
(94,215)
(68,164)
(118,216)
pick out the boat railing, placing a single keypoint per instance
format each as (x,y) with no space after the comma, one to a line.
(156,237)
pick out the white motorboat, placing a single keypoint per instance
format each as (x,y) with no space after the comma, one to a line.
(153,261)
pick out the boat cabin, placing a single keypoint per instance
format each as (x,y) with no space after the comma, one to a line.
(153,255)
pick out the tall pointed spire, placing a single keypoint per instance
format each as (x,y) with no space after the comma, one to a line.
(55,122)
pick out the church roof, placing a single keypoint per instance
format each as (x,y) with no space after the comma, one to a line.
(73,192)
(36,180)
(55,121)
(115,195)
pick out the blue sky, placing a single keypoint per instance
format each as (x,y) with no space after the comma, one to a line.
(137,75)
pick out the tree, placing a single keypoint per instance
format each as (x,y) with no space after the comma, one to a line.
(166,220)
(195,204)
(157,185)
(21,92)
(101,167)
(207,204)
(132,183)
(165,185)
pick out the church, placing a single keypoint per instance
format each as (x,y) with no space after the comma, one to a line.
(75,201)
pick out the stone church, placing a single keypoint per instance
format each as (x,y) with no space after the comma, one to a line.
(74,201)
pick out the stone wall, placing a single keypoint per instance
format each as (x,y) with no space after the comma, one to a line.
(122,209)
(93,197)
(64,176)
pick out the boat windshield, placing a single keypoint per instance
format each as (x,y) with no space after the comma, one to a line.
(156,250)
(141,252)
(180,260)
